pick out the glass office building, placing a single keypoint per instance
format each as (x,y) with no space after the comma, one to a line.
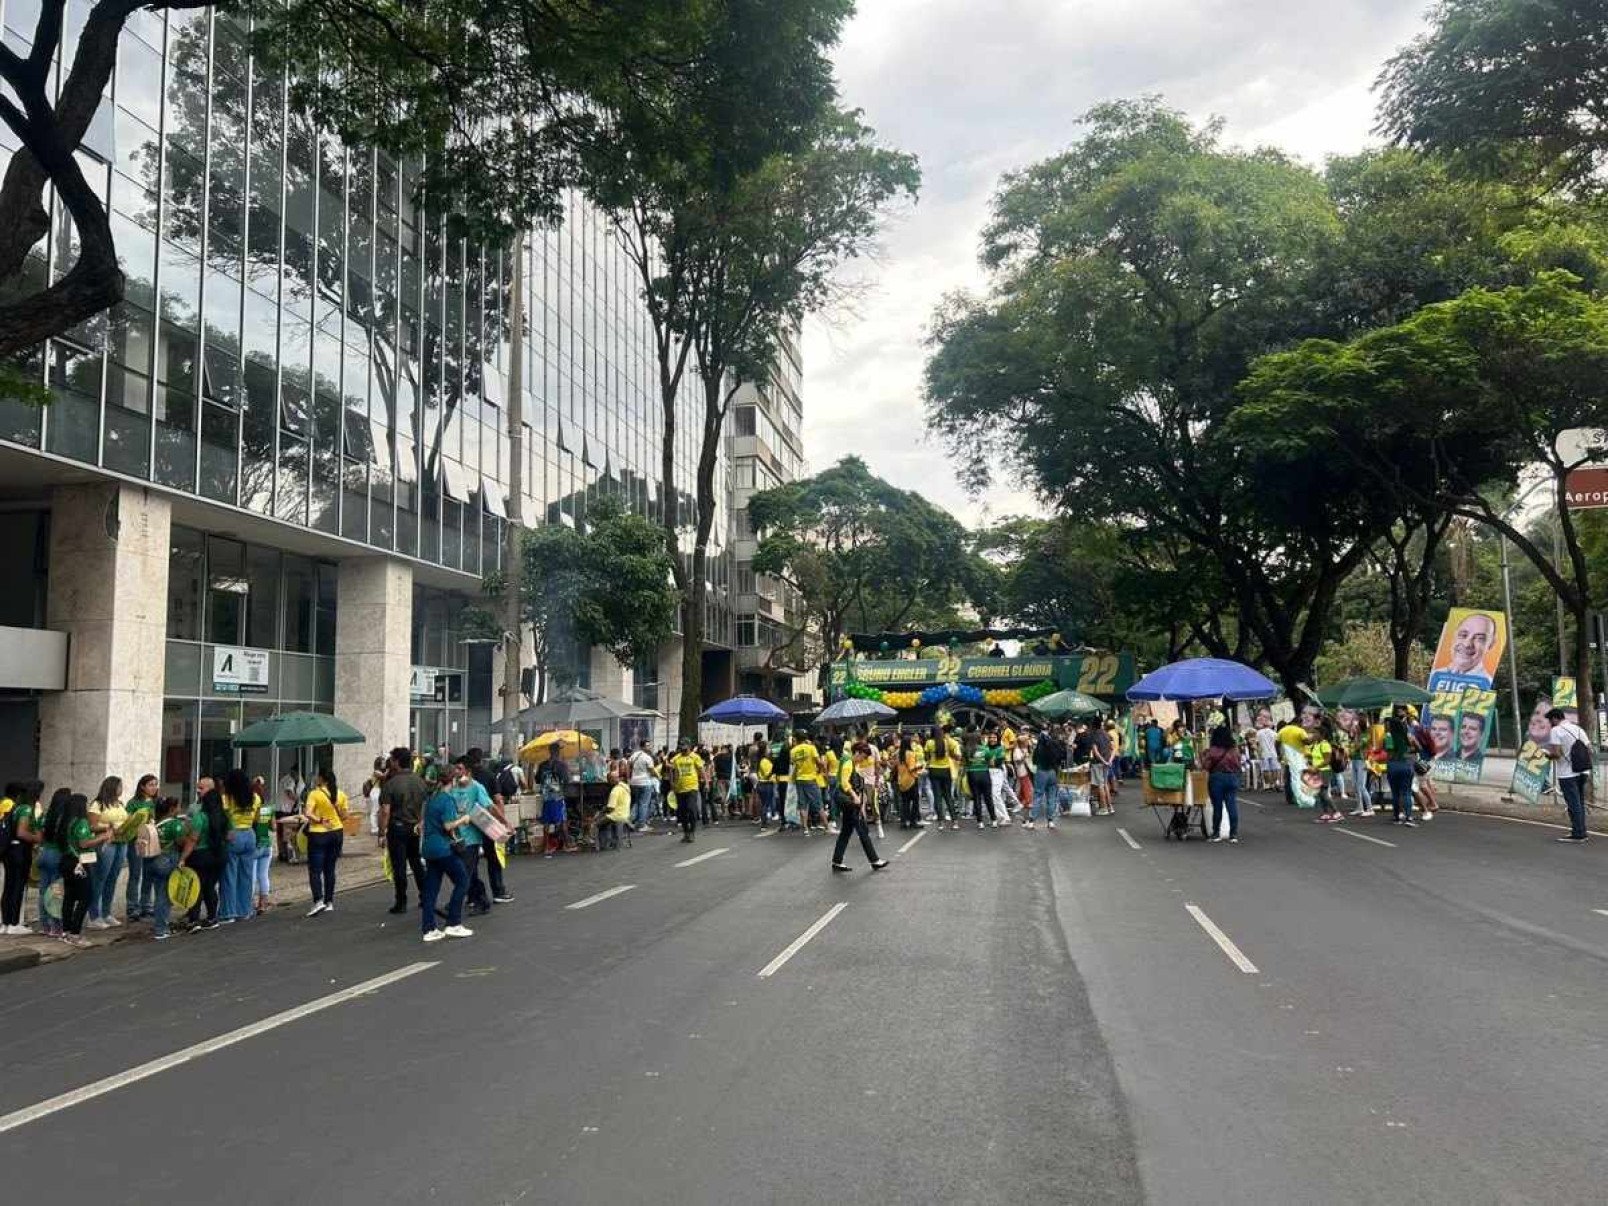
(301,405)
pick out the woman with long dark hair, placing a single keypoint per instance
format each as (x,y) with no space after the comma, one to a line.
(107,815)
(1222,765)
(205,856)
(908,780)
(138,897)
(326,828)
(1400,756)
(19,833)
(50,863)
(71,832)
(240,804)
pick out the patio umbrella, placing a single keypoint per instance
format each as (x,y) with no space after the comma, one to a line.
(847,711)
(575,707)
(540,748)
(745,709)
(1367,693)
(294,730)
(1203,678)
(1069,703)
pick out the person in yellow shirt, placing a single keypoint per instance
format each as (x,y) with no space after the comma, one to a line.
(827,778)
(943,755)
(686,769)
(805,760)
(615,813)
(326,832)
(908,769)
(868,765)
(1292,740)
(851,807)
(765,777)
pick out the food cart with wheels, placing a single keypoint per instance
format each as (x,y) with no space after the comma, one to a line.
(1178,794)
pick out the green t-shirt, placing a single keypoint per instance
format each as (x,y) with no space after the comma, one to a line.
(977,762)
(21,813)
(172,832)
(263,826)
(202,831)
(78,833)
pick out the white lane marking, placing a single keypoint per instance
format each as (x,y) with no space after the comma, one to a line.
(911,842)
(1222,940)
(707,854)
(1128,837)
(53,1105)
(766,833)
(1491,816)
(1604,912)
(592,900)
(1363,837)
(793,948)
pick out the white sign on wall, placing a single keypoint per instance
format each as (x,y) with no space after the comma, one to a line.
(422,682)
(238,671)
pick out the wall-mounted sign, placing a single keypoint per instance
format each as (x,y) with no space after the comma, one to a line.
(238,671)
(1587,487)
(422,682)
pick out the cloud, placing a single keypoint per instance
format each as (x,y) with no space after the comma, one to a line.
(977,90)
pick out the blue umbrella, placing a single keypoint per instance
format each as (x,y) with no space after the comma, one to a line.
(1203,678)
(745,709)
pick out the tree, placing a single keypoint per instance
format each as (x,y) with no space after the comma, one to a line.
(1136,277)
(1456,402)
(737,193)
(862,554)
(1506,87)
(1369,650)
(607,586)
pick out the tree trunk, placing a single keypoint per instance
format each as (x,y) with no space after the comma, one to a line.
(692,634)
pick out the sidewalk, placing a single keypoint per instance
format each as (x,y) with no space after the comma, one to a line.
(359,867)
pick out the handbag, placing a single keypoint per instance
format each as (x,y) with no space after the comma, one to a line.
(1422,766)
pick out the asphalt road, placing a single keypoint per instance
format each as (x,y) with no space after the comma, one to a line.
(1001,1017)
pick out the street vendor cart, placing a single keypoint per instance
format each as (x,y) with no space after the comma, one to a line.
(1179,797)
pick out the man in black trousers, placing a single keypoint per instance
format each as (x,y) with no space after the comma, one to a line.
(402,799)
(851,791)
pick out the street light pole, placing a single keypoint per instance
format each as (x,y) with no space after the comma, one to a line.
(1513,657)
(513,578)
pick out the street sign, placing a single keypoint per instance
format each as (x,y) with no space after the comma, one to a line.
(1587,487)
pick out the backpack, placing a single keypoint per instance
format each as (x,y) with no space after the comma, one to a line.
(1580,754)
(146,842)
(507,784)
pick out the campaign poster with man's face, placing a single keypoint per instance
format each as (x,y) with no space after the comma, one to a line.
(1470,649)
(1461,729)
(1532,769)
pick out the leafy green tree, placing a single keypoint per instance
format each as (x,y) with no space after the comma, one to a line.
(737,193)
(1507,87)
(1137,276)
(864,555)
(1458,401)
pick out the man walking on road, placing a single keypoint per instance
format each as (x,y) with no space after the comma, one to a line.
(401,809)
(1569,748)
(686,765)
(642,781)
(850,788)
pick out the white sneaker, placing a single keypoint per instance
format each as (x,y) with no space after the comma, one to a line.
(329,906)
(994,825)
(96,923)
(1427,816)
(1027,824)
(434,936)
(18,931)
(111,922)
(459,931)
(318,907)
(1049,824)
(979,825)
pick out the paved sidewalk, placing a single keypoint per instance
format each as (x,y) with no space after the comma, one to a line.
(360,866)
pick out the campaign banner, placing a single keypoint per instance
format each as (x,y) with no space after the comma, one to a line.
(1532,769)
(1470,650)
(1461,722)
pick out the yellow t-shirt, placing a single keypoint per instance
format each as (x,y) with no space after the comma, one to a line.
(6,805)
(829,768)
(1293,736)
(1007,738)
(619,807)
(920,757)
(938,755)
(806,762)
(323,814)
(687,767)
(1318,754)
(242,817)
(909,766)
(765,767)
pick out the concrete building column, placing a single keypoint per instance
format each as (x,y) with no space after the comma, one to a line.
(108,590)
(670,690)
(373,660)
(608,677)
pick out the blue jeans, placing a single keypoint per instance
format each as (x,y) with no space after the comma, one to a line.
(767,800)
(239,874)
(49,865)
(109,862)
(265,861)
(1575,800)
(157,871)
(809,802)
(1044,795)
(1223,788)
(435,869)
(136,882)
(1400,777)
(323,852)
(1359,777)
(641,805)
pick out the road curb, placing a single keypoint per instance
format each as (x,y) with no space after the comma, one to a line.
(12,961)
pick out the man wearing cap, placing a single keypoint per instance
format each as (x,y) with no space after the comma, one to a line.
(686,765)
(401,809)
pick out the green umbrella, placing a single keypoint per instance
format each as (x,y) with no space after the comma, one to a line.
(1368,693)
(1069,703)
(292,730)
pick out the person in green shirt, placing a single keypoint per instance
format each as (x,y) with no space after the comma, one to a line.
(978,780)
(174,837)
(70,833)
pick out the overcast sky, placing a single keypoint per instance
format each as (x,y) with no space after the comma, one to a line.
(979,87)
